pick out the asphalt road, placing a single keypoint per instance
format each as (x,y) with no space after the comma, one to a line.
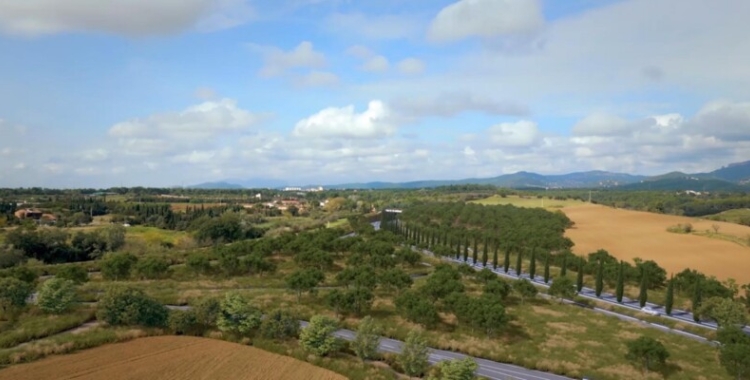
(487,368)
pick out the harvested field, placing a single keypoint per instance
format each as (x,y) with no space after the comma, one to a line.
(169,358)
(629,234)
(528,201)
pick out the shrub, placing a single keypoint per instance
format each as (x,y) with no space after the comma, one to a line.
(56,295)
(681,228)
(75,273)
(127,306)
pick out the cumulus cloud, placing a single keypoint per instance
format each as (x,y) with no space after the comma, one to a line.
(161,133)
(318,79)
(486,18)
(411,66)
(278,61)
(124,17)
(723,119)
(372,62)
(602,124)
(454,103)
(520,134)
(345,122)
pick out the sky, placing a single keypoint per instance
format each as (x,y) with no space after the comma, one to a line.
(301,92)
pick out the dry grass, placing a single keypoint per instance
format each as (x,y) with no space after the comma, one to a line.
(166,358)
(528,201)
(630,234)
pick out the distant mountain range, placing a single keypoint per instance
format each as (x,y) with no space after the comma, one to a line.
(733,177)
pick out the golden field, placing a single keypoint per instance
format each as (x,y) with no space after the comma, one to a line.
(169,358)
(629,234)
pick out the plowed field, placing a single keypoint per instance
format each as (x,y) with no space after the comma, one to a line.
(169,358)
(629,234)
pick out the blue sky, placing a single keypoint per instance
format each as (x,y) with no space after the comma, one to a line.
(178,92)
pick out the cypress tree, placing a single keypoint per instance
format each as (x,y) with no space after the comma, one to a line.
(484,253)
(494,258)
(519,263)
(620,292)
(546,269)
(458,249)
(564,270)
(474,252)
(599,279)
(579,279)
(669,302)
(697,300)
(643,296)
(466,250)
(532,265)
(506,264)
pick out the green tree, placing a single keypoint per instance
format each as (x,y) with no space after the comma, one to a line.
(669,302)
(646,353)
(366,342)
(519,264)
(525,289)
(13,295)
(414,355)
(455,369)
(304,280)
(417,308)
(117,266)
(395,279)
(184,322)
(532,265)
(696,300)
(579,275)
(643,294)
(75,273)
(466,250)
(126,306)
(620,290)
(237,315)
(474,253)
(152,267)
(599,279)
(25,274)
(735,358)
(726,312)
(485,256)
(494,257)
(546,269)
(563,288)
(279,324)
(564,267)
(56,295)
(497,287)
(198,263)
(506,262)
(317,338)
(207,312)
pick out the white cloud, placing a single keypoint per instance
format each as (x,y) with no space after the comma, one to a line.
(360,51)
(125,17)
(381,27)
(205,93)
(318,79)
(346,123)
(95,155)
(723,119)
(486,18)
(520,134)
(376,64)
(602,124)
(278,61)
(196,125)
(450,104)
(411,66)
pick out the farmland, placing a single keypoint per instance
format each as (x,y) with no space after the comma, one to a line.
(629,234)
(170,358)
(528,201)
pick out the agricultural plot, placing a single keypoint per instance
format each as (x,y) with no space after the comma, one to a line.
(629,234)
(528,201)
(169,358)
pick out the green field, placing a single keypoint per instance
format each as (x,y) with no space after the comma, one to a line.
(731,216)
(528,201)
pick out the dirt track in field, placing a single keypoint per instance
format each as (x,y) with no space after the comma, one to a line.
(629,234)
(169,358)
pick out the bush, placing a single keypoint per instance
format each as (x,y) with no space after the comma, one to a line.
(198,263)
(681,228)
(184,323)
(125,306)
(56,295)
(279,325)
(117,266)
(152,267)
(75,273)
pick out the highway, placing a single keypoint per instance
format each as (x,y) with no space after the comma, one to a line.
(487,368)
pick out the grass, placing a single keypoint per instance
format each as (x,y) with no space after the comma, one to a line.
(35,325)
(731,216)
(527,201)
(341,223)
